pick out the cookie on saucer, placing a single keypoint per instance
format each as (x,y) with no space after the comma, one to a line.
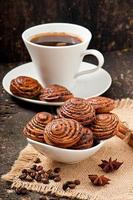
(26,87)
(55,93)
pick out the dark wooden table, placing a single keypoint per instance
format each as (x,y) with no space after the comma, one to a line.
(14,113)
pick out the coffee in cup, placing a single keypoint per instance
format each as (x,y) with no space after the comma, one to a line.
(55,39)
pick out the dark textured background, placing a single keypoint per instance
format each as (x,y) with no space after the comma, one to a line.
(110,21)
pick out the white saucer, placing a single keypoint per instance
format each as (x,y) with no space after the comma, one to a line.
(85,86)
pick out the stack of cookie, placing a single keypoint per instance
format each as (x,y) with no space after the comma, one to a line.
(93,113)
(77,124)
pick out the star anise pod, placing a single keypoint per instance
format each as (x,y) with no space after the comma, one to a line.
(99,180)
(111,165)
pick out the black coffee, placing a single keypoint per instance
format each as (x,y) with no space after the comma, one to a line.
(55,39)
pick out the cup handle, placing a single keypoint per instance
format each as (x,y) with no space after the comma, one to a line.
(99,57)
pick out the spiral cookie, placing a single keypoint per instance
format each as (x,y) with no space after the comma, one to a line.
(24,86)
(34,129)
(77,109)
(102,104)
(62,132)
(56,93)
(104,125)
(86,140)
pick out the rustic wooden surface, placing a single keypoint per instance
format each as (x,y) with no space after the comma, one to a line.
(109,21)
(14,114)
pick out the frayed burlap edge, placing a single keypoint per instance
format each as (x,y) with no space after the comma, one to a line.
(26,159)
(41,188)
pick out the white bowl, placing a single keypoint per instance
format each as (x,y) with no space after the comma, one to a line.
(68,156)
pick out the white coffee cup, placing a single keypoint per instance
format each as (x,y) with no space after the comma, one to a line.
(60,65)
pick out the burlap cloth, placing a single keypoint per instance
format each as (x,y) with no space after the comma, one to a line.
(121,185)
